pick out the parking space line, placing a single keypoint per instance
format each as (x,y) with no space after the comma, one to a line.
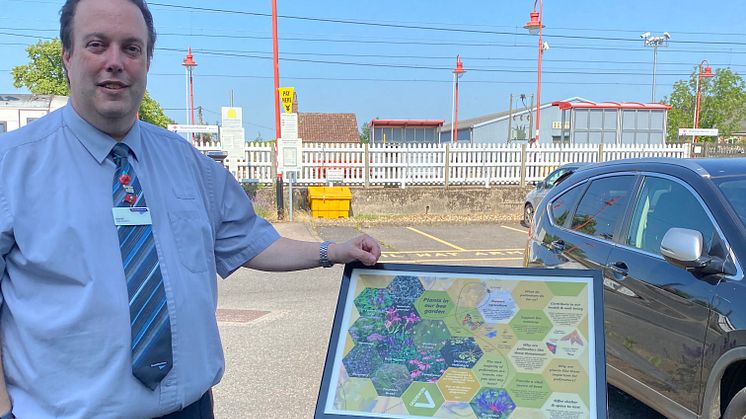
(435,238)
(455,260)
(414,252)
(515,229)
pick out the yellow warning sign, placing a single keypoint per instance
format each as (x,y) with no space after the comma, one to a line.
(286,97)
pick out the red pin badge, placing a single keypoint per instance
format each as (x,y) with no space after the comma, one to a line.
(125,179)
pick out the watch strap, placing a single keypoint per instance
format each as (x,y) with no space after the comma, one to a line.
(8,415)
(323,257)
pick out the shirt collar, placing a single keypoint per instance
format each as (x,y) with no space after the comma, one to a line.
(98,143)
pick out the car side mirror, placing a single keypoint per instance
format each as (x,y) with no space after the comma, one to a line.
(540,185)
(683,247)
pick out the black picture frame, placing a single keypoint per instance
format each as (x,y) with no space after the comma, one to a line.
(596,364)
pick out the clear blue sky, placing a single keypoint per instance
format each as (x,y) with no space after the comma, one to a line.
(381,69)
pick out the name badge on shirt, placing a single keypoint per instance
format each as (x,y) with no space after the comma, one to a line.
(131,216)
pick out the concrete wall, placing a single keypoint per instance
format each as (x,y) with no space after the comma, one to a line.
(505,201)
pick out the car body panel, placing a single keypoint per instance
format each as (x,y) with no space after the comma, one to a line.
(534,196)
(666,328)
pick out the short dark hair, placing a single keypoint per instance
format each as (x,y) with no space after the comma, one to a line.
(67,13)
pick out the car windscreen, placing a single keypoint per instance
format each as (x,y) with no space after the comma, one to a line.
(734,190)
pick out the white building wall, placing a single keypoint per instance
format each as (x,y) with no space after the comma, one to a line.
(14,116)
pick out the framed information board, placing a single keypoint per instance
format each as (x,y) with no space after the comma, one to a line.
(432,341)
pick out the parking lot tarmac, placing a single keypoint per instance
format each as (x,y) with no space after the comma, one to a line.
(275,327)
(471,244)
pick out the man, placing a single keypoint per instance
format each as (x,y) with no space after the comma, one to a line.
(111,235)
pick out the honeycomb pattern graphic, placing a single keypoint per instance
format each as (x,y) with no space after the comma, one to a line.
(465,348)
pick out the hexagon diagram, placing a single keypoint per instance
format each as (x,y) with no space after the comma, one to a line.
(356,394)
(430,335)
(458,385)
(532,295)
(372,301)
(498,307)
(391,380)
(565,405)
(434,305)
(566,376)
(529,390)
(566,343)
(367,330)
(566,311)
(492,403)
(405,289)
(461,352)
(530,356)
(422,399)
(569,289)
(362,361)
(464,322)
(531,325)
(492,370)
(467,292)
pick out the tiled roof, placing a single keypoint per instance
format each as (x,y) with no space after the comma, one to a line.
(328,127)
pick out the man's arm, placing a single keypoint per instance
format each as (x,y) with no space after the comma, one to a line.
(290,255)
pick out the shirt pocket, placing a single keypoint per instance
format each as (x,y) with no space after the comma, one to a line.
(192,235)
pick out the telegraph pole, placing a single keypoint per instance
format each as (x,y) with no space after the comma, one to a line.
(276,93)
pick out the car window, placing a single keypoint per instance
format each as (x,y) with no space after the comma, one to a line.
(734,189)
(661,205)
(602,207)
(563,205)
(549,181)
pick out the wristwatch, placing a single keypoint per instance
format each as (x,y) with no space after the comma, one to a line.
(8,415)
(323,257)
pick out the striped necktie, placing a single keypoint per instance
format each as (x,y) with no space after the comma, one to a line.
(152,358)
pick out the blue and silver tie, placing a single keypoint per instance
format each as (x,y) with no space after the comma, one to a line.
(152,358)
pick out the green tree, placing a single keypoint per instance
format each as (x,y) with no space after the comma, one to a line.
(722,103)
(365,133)
(45,75)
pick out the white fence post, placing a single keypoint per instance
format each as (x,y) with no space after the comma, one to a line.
(524,156)
(430,164)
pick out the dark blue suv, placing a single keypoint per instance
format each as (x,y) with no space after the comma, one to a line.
(669,236)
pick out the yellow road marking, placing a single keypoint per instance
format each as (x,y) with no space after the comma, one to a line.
(515,229)
(435,238)
(455,260)
(452,251)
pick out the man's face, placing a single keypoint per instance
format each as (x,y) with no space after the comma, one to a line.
(108,63)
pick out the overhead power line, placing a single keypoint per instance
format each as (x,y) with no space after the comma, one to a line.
(430,43)
(356,79)
(430,28)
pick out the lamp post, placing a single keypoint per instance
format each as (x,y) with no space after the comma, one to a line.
(655,42)
(706,73)
(189,64)
(535,26)
(457,73)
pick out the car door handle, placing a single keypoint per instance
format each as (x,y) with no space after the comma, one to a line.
(619,269)
(557,245)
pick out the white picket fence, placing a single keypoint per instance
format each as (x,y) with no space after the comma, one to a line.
(437,164)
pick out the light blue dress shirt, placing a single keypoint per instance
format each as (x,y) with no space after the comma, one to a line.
(64,321)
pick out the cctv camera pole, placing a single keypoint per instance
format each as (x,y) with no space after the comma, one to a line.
(655,62)
(278,182)
(655,42)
